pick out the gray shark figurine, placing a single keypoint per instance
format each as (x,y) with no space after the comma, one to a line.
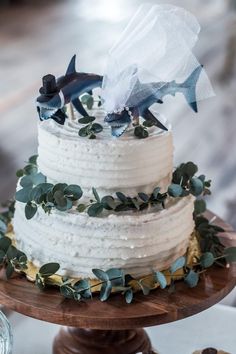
(120,121)
(55,94)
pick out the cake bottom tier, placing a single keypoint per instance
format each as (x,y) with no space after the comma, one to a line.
(137,243)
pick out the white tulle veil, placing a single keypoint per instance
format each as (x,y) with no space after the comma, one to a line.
(156,46)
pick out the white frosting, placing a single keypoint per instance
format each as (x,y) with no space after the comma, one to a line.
(125,164)
(136,242)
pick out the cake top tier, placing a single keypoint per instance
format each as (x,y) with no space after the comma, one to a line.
(152,59)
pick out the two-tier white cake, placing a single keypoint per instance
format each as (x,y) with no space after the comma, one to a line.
(135,242)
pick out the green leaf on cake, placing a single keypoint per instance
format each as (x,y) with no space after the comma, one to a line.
(192,279)
(100,274)
(122,197)
(30,169)
(105,290)
(83,288)
(9,270)
(81,208)
(116,276)
(96,128)
(30,210)
(73,192)
(49,269)
(156,192)
(23,195)
(39,281)
(26,182)
(2,257)
(178,264)
(20,173)
(5,243)
(3,227)
(161,279)
(59,187)
(207,259)
(144,197)
(12,252)
(129,296)
(196,186)
(95,209)
(108,202)
(199,206)
(141,132)
(175,190)
(83,132)
(86,120)
(67,291)
(33,159)
(230,254)
(96,196)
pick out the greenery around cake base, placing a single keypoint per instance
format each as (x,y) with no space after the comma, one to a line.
(204,251)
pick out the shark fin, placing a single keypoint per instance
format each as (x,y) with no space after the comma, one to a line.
(188,88)
(118,131)
(151,118)
(79,107)
(71,67)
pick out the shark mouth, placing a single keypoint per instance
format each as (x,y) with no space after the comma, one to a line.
(58,115)
(46,112)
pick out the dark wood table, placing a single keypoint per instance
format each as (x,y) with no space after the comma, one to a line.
(114,327)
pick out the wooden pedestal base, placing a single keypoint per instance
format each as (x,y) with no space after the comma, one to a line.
(86,341)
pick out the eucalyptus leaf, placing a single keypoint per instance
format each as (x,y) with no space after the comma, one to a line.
(95,209)
(90,102)
(67,291)
(129,296)
(2,256)
(100,274)
(121,197)
(84,98)
(230,254)
(155,192)
(92,136)
(49,269)
(5,243)
(73,192)
(96,196)
(192,279)
(26,181)
(175,190)
(86,120)
(105,291)
(190,169)
(145,289)
(161,279)
(178,264)
(11,252)
(199,206)
(3,227)
(116,276)
(30,210)
(33,159)
(207,259)
(140,132)
(81,208)
(144,197)
(38,178)
(39,281)
(9,270)
(30,169)
(20,173)
(196,186)
(59,187)
(108,202)
(83,132)
(23,195)
(96,128)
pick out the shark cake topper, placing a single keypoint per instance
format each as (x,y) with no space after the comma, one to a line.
(152,59)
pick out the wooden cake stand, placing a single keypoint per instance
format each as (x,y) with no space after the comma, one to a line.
(114,327)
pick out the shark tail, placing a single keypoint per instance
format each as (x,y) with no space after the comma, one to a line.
(188,88)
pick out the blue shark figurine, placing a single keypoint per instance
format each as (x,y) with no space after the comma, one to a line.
(120,121)
(55,94)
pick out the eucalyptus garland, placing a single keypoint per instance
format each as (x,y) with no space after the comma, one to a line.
(115,280)
(37,192)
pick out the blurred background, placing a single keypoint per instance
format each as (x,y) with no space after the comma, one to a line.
(40,37)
